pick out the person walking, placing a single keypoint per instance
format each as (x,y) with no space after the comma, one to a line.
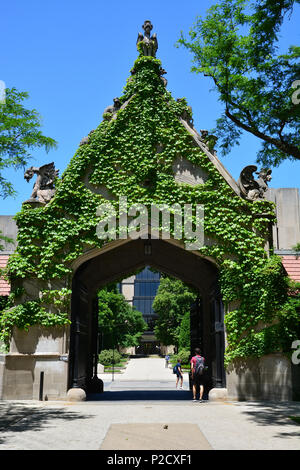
(167,358)
(197,369)
(179,374)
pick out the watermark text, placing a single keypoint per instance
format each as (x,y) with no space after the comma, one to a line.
(2,92)
(296,354)
(158,221)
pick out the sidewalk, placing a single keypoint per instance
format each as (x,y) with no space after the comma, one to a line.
(148,421)
(144,379)
(143,374)
(148,369)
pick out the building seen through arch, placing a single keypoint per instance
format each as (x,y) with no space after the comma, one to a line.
(139,291)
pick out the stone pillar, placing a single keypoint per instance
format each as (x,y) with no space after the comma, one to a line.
(39,350)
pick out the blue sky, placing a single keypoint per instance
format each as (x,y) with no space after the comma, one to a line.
(74,57)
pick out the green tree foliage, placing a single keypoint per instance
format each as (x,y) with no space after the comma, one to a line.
(120,324)
(237,46)
(19,134)
(184,341)
(172,305)
(4,302)
(184,355)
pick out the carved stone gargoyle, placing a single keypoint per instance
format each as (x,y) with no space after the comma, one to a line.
(163,79)
(44,187)
(208,139)
(187,117)
(112,109)
(148,43)
(253,189)
(85,140)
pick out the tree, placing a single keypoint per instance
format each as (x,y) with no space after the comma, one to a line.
(120,324)
(236,45)
(19,133)
(171,304)
(184,339)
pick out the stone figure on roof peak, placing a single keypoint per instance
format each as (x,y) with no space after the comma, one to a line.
(148,44)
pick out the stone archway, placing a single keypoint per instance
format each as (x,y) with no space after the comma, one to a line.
(147,151)
(206,315)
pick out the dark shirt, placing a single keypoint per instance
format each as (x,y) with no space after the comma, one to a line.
(178,368)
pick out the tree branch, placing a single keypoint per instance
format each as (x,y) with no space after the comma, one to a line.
(279,143)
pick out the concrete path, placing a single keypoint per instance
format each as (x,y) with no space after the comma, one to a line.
(159,410)
(144,374)
(150,369)
(144,379)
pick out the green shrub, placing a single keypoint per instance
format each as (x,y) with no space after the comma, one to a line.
(184,340)
(184,355)
(109,356)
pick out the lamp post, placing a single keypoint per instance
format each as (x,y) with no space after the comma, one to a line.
(113,363)
(96,384)
(113,338)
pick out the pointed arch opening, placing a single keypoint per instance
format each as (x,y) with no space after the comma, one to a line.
(123,259)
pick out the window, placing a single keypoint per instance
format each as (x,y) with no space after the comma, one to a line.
(145,287)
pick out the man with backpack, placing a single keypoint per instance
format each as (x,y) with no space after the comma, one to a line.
(197,368)
(179,375)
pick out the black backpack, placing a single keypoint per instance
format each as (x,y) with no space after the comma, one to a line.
(199,366)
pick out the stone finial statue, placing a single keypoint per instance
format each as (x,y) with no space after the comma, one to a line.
(149,44)
(251,188)
(43,189)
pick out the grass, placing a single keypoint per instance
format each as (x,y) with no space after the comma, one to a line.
(184,367)
(119,365)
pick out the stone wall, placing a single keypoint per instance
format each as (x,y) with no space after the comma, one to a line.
(272,378)
(8,228)
(286,231)
(38,350)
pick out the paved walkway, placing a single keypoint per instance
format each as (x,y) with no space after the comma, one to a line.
(130,405)
(149,369)
(144,379)
(144,374)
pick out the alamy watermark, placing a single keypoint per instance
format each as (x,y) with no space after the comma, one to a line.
(2,92)
(158,221)
(296,94)
(296,354)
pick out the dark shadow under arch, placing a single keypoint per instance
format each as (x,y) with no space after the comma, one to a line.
(121,261)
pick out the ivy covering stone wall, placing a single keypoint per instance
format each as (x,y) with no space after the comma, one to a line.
(133,156)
